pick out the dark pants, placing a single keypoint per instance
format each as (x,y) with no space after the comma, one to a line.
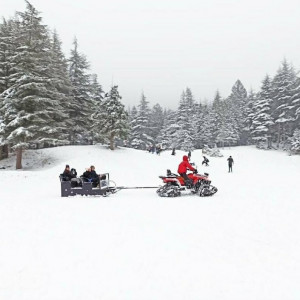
(187,180)
(230,168)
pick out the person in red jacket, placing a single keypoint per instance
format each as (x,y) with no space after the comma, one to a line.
(182,168)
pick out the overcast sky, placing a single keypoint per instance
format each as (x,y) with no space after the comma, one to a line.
(163,46)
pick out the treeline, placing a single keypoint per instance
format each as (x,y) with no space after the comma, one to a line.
(269,118)
(47,99)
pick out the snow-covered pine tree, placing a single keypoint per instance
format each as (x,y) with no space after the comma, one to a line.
(205,121)
(295,103)
(282,86)
(133,133)
(295,141)
(8,48)
(262,120)
(96,91)
(8,51)
(238,104)
(61,81)
(252,98)
(198,115)
(141,131)
(156,121)
(218,115)
(83,105)
(187,128)
(111,119)
(96,94)
(32,113)
(228,132)
(168,135)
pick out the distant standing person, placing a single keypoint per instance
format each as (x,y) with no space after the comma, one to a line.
(230,163)
(189,154)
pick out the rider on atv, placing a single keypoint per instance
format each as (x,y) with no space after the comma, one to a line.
(182,168)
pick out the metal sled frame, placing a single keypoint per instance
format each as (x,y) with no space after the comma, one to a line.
(86,188)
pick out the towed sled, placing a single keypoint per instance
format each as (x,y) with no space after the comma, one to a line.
(79,186)
(175,186)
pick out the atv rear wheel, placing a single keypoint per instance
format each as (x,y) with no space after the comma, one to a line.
(168,191)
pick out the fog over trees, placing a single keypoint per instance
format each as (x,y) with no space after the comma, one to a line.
(49,99)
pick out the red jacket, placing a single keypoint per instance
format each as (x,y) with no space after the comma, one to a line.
(184,165)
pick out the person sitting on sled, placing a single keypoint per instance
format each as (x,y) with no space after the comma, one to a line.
(68,174)
(182,168)
(87,176)
(94,177)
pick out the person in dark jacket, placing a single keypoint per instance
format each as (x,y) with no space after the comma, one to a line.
(189,154)
(182,168)
(67,174)
(94,176)
(205,161)
(87,175)
(230,163)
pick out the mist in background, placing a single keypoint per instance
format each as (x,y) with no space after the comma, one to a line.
(162,47)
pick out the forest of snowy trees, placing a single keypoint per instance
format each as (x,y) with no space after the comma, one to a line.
(48,99)
(269,118)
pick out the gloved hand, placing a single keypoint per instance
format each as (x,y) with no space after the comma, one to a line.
(195,171)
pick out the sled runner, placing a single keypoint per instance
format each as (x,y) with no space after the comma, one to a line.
(175,186)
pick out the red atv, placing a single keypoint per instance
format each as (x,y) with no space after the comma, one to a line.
(174,185)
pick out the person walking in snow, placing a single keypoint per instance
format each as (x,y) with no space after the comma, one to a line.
(205,161)
(230,163)
(182,168)
(189,154)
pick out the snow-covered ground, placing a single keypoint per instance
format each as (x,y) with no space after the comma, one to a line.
(242,243)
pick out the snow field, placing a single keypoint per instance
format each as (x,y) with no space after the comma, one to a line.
(242,243)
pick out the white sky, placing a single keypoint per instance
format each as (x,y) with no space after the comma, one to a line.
(162,46)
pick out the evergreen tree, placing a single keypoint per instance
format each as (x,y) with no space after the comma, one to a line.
(168,134)
(282,87)
(156,121)
(186,122)
(237,103)
(32,112)
(218,115)
(142,130)
(96,96)
(295,103)
(111,119)
(134,132)
(295,141)
(96,91)
(205,130)
(8,53)
(262,121)
(83,105)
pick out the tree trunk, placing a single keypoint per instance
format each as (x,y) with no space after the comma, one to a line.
(19,158)
(111,140)
(4,151)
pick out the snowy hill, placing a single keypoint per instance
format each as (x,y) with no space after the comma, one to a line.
(242,243)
